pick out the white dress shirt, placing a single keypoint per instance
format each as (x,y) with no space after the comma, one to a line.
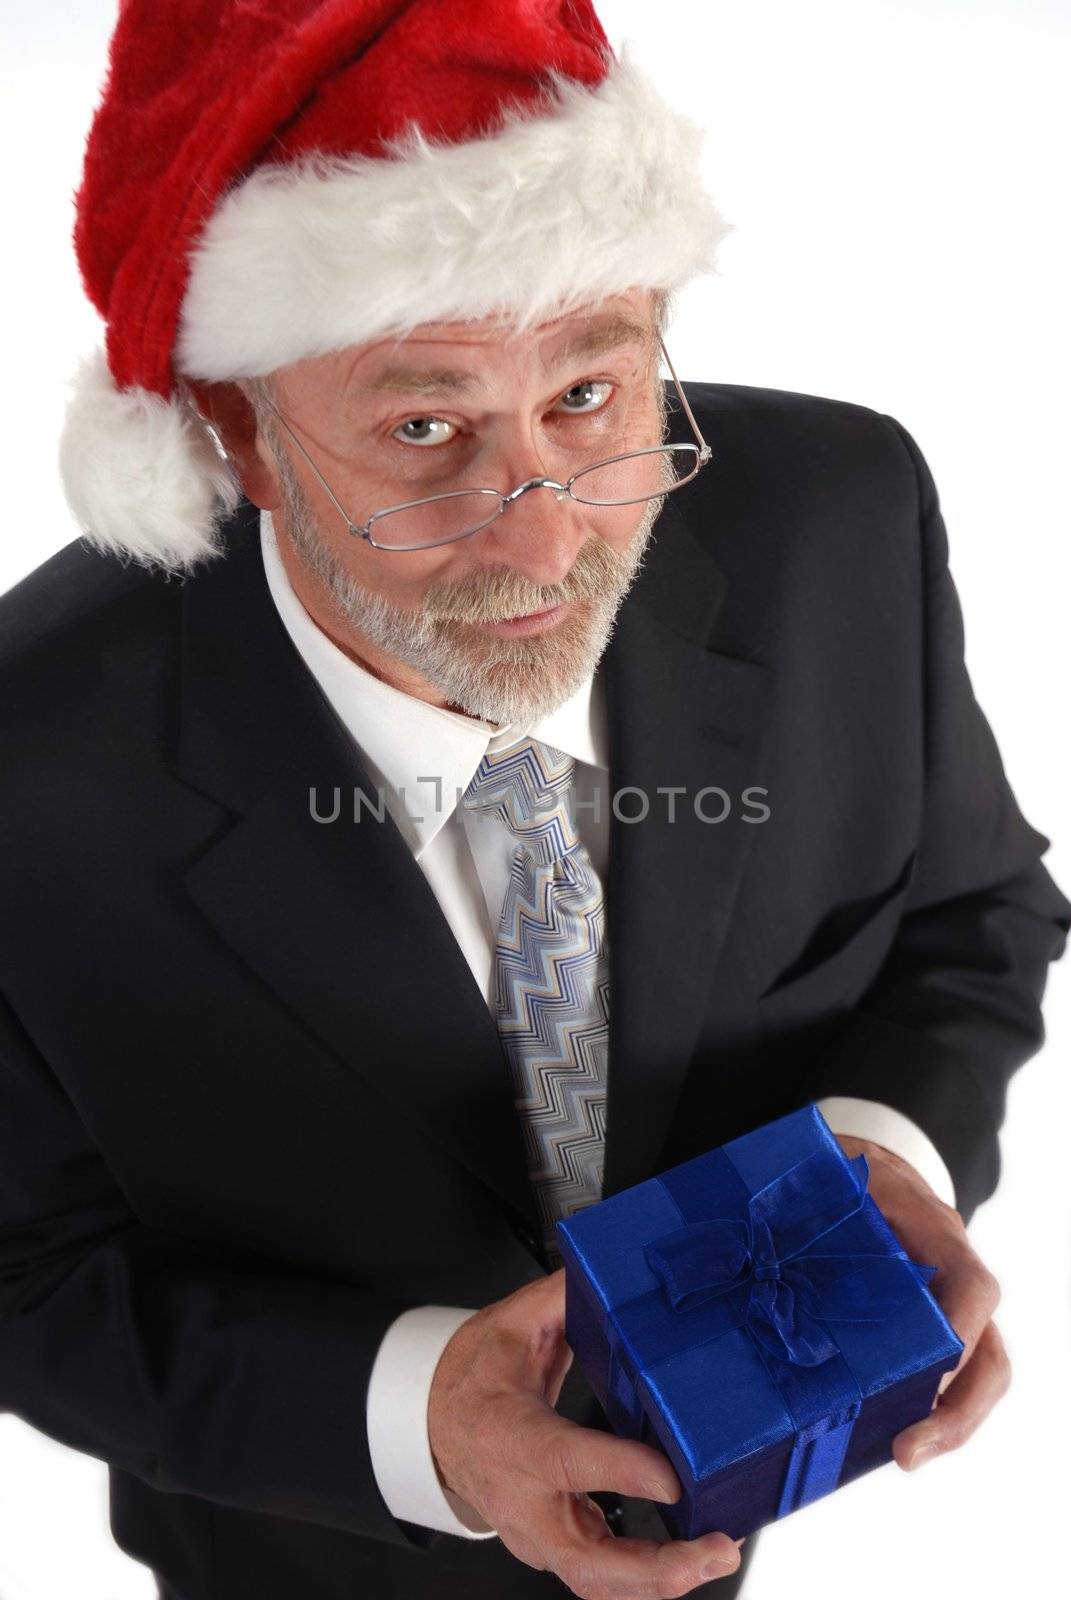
(423,757)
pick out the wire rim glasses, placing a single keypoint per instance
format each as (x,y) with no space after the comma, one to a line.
(685,459)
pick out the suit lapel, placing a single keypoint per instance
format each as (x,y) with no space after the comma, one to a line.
(336,918)
(681,713)
(340,923)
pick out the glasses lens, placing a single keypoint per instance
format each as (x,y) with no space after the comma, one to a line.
(435,521)
(636,477)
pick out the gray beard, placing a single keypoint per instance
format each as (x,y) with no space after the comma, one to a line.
(499,680)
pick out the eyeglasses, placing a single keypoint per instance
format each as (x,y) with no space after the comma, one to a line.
(620,480)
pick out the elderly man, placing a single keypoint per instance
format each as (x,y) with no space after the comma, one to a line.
(542,773)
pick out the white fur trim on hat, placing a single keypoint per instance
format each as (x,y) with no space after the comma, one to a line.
(601,193)
(142,475)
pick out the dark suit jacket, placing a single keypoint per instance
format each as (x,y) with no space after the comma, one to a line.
(252,1103)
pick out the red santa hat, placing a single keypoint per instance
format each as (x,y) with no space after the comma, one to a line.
(265,183)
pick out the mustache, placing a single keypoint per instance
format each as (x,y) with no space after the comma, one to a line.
(501,594)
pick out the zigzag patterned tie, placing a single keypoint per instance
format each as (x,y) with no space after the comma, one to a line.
(551,978)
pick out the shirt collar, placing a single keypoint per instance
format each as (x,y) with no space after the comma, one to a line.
(421,754)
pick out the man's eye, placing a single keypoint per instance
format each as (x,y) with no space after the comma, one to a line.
(430,430)
(423,425)
(585,391)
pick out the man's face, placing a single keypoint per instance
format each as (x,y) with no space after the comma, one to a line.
(468,405)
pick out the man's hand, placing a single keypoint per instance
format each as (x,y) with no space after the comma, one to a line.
(963,1287)
(500,1445)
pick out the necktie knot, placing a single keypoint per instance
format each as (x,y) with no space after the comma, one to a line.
(529,786)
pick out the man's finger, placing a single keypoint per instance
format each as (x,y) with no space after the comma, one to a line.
(969,1295)
(557,1374)
(968,1401)
(643,1569)
(589,1517)
(576,1459)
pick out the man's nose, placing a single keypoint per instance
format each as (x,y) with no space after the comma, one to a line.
(540,532)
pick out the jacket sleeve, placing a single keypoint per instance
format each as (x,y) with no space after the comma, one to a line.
(200,1371)
(956,1007)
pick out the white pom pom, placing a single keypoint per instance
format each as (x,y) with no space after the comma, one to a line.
(142,475)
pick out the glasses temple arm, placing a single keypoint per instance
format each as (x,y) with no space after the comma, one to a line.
(705,452)
(323,481)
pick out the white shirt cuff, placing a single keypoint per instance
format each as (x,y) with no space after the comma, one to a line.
(870,1119)
(396,1410)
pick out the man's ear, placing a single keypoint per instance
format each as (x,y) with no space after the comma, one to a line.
(235,423)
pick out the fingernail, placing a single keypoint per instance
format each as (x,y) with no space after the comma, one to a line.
(592,1516)
(945,1381)
(923,1454)
(658,1491)
(716,1567)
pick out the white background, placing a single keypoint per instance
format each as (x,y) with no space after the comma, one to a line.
(897,174)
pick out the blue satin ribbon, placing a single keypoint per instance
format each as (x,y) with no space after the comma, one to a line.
(770,1253)
(761,1271)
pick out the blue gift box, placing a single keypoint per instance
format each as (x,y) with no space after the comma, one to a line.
(751,1314)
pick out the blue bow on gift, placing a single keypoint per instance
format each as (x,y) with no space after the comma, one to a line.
(768,1255)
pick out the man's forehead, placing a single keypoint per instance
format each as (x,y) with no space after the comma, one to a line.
(412,365)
